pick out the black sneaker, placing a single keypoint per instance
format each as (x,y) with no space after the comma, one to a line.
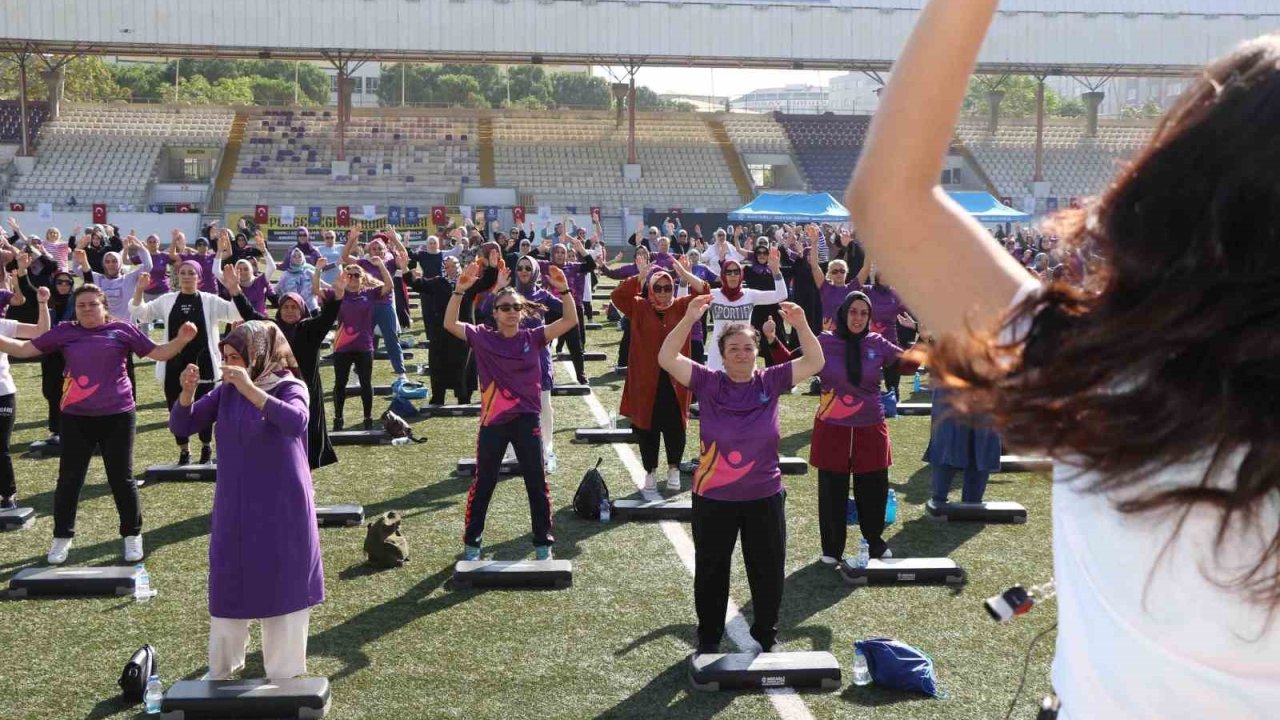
(54,439)
(337,424)
(368,423)
(184,457)
(9,503)
(206,454)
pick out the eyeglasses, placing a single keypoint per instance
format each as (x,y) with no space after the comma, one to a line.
(733,271)
(509,307)
(662,289)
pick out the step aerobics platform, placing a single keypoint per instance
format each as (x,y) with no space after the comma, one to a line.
(302,697)
(339,515)
(1025,463)
(914,408)
(711,672)
(570,390)
(513,573)
(376,436)
(680,509)
(110,580)
(16,518)
(996,511)
(904,571)
(206,472)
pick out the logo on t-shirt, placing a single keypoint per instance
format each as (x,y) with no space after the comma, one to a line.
(716,469)
(764,398)
(871,355)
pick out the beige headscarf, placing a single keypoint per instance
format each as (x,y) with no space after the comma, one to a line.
(266,352)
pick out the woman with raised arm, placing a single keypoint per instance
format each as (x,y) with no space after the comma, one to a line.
(833,286)
(297,279)
(353,340)
(733,302)
(379,262)
(9,396)
(1153,387)
(737,487)
(264,551)
(507,359)
(305,335)
(576,273)
(97,410)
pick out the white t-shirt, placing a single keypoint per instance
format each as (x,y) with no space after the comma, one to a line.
(8,328)
(1154,628)
(724,312)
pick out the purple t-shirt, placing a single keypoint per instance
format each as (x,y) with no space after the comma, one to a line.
(376,274)
(159,273)
(573,275)
(738,459)
(95,381)
(256,293)
(885,308)
(510,372)
(208,281)
(5,297)
(355,321)
(849,405)
(664,260)
(832,296)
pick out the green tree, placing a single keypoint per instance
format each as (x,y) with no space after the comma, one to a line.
(460,90)
(86,79)
(530,82)
(570,89)
(419,80)
(270,91)
(142,81)
(1019,98)
(490,81)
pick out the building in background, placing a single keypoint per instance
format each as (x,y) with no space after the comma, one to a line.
(797,99)
(854,94)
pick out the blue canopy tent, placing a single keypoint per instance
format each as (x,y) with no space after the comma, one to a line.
(791,207)
(986,209)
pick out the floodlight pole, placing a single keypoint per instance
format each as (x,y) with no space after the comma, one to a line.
(23,57)
(1039,176)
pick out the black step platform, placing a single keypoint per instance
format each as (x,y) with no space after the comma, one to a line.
(513,573)
(110,580)
(303,698)
(377,436)
(711,672)
(382,354)
(207,472)
(472,410)
(16,519)
(593,326)
(1025,463)
(589,356)
(984,512)
(620,369)
(339,515)
(680,509)
(904,571)
(914,408)
(467,468)
(570,390)
(604,435)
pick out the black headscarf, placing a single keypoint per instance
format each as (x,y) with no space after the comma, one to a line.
(852,343)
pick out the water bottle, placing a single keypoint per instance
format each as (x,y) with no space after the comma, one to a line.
(400,441)
(851,513)
(891,508)
(141,583)
(605,510)
(154,695)
(861,673)
(864,553)
(915,384)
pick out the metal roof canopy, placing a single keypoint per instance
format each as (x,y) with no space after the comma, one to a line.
(1036,37)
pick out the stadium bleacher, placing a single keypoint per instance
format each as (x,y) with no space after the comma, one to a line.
(11,119)
(826,147)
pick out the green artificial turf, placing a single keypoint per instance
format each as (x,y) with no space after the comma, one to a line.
(405,643)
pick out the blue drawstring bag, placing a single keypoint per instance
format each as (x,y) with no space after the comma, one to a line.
(408,391)
(890,403)
(895,664)
(403,408)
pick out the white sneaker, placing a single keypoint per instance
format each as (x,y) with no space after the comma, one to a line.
(828,560)
(58,553)
(887,554)
(551,463)
(673,479)
(133,548)
(651,481)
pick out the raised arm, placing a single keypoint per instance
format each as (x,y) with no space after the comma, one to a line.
(268,262)
(465,281)
(388,284)
(679,367)
(170,350)
(942,261)
(569,319)
(812,360)
(353,236)
(779,292)
(814,267)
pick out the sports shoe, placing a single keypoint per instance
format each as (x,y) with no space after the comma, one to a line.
(133,548)
(9,503)
(886,554)
(58,553)
(368,423)
(542,552)
(551,463)
(673,479)
(828,560)
(651,481)
(206,454)
(54,439)
(470,552)
(184,457)
(338,424)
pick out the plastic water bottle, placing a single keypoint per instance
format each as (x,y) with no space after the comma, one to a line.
(400,441)
(851,513)
(891,508)
(915,384)
(141,583)
(154,695)
(861,673)
(605,510)
(864,553)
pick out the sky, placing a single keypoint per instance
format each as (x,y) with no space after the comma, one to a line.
(705,81)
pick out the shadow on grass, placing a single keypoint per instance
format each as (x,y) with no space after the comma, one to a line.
(668,694)
(874,696)
(156,539)
(792,444)
(114,706)
(806,592)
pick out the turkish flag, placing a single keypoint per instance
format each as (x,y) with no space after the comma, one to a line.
(99,213)
(17,207)
(184,207)
(344,216)
(438,215)
(595,214)
(517,214)
(261,214)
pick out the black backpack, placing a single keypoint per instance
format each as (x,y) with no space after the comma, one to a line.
(396,427)
(133,681)
(591,491)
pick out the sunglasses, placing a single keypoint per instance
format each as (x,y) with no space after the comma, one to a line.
(733,271)
(837,272)
(662,289)
(509,307)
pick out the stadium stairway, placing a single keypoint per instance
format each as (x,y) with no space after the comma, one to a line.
(484,135)
(229,162)
(732,159)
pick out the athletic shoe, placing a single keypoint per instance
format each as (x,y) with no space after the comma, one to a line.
(828,560)
(9,503)
(184,457)
(673,479)
(206,454)
(582,380)
(133,549)
(542,552)
(651,481)
(54,439)
(551,463)
(368,423)
(58,553)
(470,552)
(338,424)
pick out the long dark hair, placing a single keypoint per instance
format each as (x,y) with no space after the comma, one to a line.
(1170,353)
(852,342)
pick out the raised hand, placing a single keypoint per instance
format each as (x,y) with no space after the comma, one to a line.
(235,376)
(642,263)
(557,279)
(188,332)
(775,260)
(144,280)
(469,276)
(340,283)
(698,307)
(906,320)
(504,277)
(190,378)
(231,279)
(769,328)
(793,314)
(42,295)
(321,263)
(828,325)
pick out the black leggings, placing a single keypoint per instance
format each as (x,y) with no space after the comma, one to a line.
(624,346)
(665,424)
(113,436)
(342,362)
(525,436)
(576,342)
(8,407)
(172,389)
(870,495)
(716,524)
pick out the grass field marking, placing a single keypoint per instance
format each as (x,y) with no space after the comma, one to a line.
(786,701)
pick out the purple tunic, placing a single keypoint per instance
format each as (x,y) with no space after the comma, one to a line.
(355,321)
(573,274)
(885,308)
(832,296)
(376,274)
(850,405)
(256,293)
(738,458)
(264,554)
(95,381)
(552,304)
(159,273)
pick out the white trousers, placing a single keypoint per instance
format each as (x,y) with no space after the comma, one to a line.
(547,424)
(284,645)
